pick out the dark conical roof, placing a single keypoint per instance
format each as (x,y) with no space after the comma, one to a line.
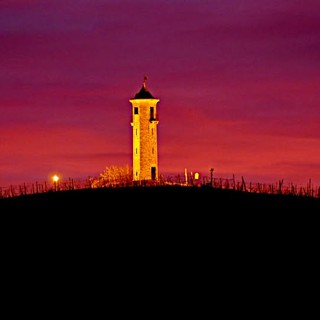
(144,93)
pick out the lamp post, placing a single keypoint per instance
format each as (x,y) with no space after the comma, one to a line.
(55,179)
(211,176)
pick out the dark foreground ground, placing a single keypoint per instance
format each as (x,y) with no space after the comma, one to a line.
(158,199)
(192,227)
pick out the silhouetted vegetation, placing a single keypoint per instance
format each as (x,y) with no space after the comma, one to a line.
(169,198)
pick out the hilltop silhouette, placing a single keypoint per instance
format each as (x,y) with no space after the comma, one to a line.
(175,199)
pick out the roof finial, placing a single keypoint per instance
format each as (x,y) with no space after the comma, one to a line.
(144,81)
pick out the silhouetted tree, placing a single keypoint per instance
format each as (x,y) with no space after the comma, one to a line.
(113,176)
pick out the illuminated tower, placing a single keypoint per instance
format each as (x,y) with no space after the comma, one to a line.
(145,145)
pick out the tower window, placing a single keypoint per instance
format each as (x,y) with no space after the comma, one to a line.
(152,150)
(136,150)
(136,110)
(152,116)
(136,131)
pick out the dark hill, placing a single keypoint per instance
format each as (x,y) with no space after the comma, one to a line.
(159,198)
(169,221)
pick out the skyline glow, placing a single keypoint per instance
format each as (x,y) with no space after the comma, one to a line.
(238,83)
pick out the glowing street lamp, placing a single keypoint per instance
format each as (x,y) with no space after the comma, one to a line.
(55,179)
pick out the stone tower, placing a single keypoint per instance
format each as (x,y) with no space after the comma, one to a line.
(144,134)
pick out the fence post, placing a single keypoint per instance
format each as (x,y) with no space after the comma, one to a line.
(211,176)
(243,185)
(12,191)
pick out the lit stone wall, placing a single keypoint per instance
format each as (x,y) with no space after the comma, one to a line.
(145,145)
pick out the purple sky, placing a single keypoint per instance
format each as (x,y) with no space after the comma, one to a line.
(238,83)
